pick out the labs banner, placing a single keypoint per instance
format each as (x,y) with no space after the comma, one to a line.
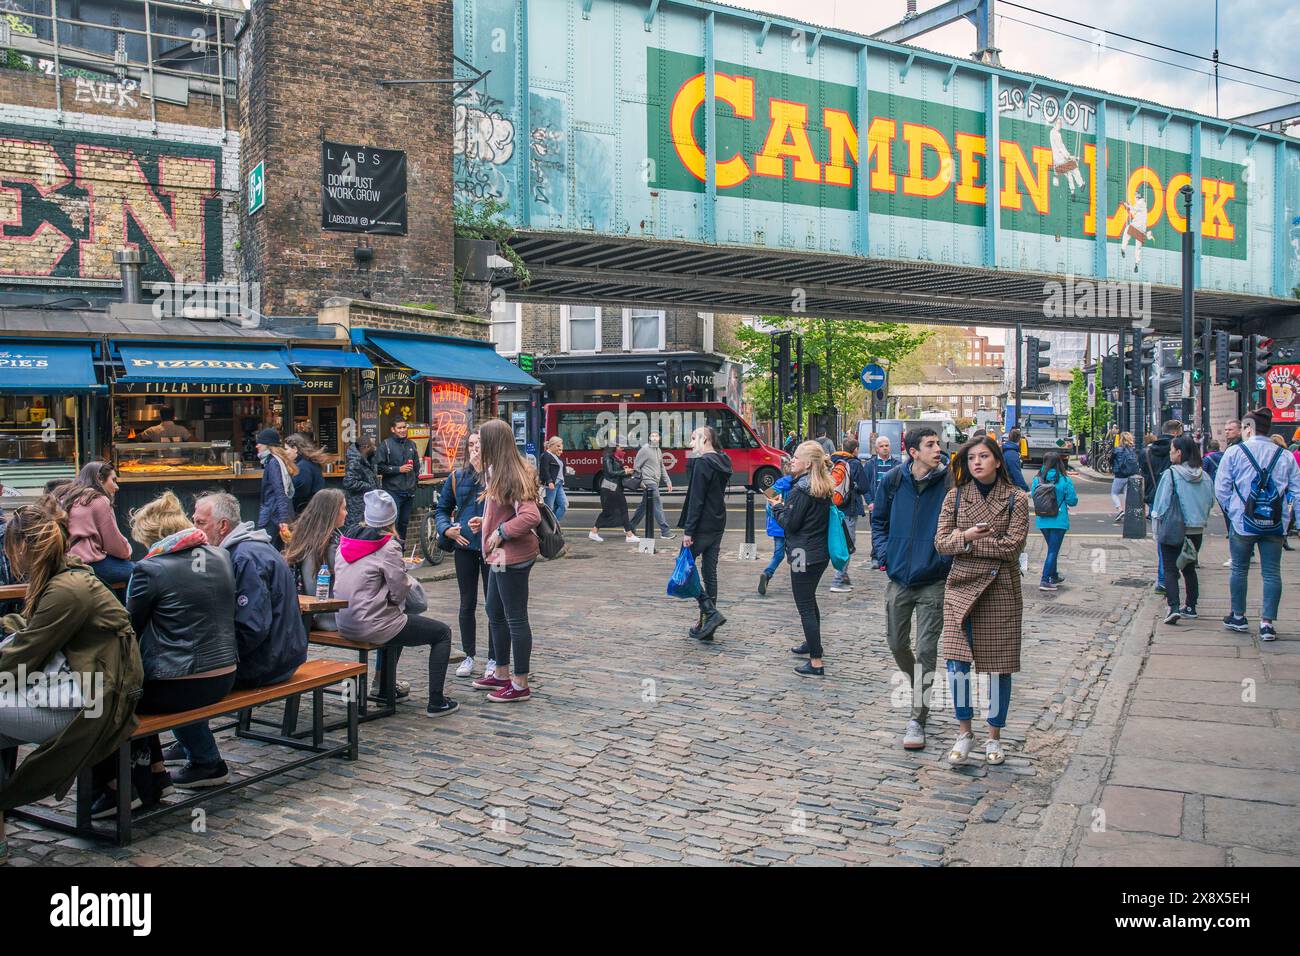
(363,189)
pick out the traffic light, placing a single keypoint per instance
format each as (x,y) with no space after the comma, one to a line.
(1139,361)
(1199,360)
(1263,354)
(1110,373)
(1221,352)
(1261,360)
(1036,358)
(1236,365)
(812,378)
(784,383)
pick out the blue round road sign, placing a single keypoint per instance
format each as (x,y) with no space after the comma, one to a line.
(873,377)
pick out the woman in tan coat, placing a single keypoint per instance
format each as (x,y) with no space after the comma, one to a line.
(983,525)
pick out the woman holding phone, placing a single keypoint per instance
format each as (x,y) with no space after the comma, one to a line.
(982,525)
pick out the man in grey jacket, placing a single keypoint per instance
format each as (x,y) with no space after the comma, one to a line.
(649,464)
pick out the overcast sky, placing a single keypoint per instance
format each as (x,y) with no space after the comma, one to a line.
(1261,34)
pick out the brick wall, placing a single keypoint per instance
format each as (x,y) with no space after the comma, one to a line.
(309,71)
(382,316)
(102,179)
(540,330)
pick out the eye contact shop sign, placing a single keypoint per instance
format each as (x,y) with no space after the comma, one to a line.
(363,189)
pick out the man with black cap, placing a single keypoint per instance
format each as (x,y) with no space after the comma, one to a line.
(276,505)
(398,463)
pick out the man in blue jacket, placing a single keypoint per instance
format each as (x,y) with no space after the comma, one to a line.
(271,639)
(904,519)
(878,465)
(852,506)
(1011,455)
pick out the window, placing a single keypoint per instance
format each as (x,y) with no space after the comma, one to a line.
(731,431)
(505,326)
(580,328)
(579,430)
(643,330)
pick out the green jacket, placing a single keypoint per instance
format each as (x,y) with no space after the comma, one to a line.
(80,616)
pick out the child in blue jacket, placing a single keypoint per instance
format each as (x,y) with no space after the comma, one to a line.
(780,488)
(1055,527)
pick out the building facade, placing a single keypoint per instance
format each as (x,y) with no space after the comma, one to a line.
(981,352)
(954,390)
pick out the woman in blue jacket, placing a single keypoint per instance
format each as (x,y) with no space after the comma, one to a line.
(458,502)
(780,488)
(278,471)
(1054,527)
(1185,483)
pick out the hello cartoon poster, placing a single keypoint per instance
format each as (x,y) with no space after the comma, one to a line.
(1283,392)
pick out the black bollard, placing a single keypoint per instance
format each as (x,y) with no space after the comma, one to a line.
(649,515)
(749,517)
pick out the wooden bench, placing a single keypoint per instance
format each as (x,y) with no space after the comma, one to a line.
(389,679)
(312,677)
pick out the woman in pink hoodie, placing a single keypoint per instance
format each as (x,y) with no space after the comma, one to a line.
(93,534)
(384,602)
(508,528)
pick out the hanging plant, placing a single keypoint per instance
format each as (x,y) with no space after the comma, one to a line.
(482,220)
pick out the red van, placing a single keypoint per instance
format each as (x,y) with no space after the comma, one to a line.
(587,428)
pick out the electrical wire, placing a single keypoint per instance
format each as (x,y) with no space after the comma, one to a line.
(1153,59)
(1125,36)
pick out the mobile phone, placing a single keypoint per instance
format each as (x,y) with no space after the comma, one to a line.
(983,525)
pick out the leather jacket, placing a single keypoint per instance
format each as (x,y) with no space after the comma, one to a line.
(182,609)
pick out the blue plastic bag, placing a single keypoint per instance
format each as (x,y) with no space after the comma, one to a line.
(836,542)
(685,580)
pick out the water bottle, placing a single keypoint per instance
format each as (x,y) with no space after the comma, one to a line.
(323,583)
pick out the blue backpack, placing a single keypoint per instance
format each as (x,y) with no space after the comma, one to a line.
(1264,507)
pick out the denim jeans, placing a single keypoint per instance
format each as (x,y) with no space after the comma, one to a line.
(1117,486)
(1160,567)
(777,557)
(507,611)
(1270,565)
(1054,537)
(557,500)
(112,571)
(842,576)
(404,503)
(658,502)
(960,684)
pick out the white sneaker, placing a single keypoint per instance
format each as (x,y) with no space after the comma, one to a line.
(914,736)
(466,668)
(841,588)
(1228,563)
(632,539)
(993,751)
(961,749)
(594,537)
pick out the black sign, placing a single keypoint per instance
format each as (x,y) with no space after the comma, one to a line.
(320,383)
(395,383)
(193,388)
(363,189)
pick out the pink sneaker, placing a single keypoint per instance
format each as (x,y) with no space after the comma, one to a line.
(491,683)
(510,694)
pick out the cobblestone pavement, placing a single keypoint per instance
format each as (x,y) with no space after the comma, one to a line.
(644,747)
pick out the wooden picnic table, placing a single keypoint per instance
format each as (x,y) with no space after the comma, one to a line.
(307,603)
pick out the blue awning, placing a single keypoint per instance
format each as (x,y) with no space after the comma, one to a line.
(38,367)
(328,358)
(453,360)
(223,364)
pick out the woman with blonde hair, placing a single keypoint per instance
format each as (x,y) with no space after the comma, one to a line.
(1124,465)
(508,528)
(278,470)
(805,516)
(181,600)
(550,472)
(67,611)
(310,462)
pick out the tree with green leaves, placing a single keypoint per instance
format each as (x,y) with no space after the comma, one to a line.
(1084,420)
(841,347)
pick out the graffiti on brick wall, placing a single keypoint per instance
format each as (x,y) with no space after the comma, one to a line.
(114,93)
(484,143)
(69,200)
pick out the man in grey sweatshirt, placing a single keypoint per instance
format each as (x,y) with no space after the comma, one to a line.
(649,464)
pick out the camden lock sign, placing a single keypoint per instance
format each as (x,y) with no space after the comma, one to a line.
(363,189)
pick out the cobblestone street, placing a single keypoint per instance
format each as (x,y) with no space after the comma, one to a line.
(645,747)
